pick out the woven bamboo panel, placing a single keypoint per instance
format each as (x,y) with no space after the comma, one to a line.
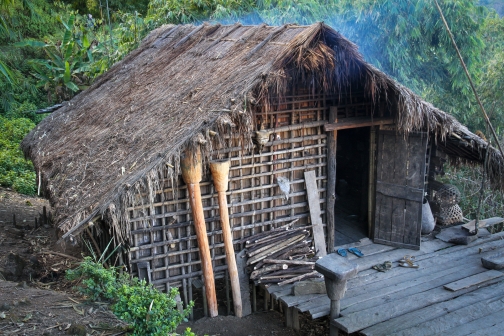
(163,234)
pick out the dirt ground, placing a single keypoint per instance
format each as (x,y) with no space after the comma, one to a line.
(35,298)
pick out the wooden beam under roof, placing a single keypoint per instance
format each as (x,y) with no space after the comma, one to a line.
(357,122)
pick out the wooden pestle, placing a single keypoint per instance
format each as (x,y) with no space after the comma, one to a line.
(220,172)
(191,174)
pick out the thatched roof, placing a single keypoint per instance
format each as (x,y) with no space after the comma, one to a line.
(109,141)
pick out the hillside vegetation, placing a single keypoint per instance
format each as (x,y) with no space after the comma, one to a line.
(51,50)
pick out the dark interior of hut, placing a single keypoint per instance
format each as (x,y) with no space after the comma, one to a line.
(352,185)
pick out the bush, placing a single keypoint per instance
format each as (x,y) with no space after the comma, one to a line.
(15,171)
(147,310)
(468,181)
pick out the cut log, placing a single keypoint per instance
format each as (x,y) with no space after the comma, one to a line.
(277,248)
(283,251)
(301,277)
(273,243)
(289,262)
(254,275)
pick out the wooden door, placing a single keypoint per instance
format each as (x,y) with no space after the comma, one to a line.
(400,173)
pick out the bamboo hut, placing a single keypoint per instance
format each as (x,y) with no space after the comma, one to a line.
(276,102)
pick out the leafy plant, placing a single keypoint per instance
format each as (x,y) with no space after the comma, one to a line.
(147,310)
(15,170)
(70,63)
(468,181)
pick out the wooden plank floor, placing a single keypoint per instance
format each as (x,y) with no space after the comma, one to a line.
(348,230)
(413,301)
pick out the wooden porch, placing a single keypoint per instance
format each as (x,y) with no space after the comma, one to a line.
(414,301)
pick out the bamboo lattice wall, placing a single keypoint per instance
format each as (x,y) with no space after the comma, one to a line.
(163,234)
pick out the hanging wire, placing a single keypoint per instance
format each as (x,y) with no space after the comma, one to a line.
(489,124)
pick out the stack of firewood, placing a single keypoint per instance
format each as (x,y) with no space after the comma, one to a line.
(281,256)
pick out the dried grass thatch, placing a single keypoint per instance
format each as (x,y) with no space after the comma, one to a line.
(182,84)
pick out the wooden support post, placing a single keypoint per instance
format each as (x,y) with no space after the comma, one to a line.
(241,263)
(220,173)
(144,271)
(205,305)
(191,174)
(371,186)
(332,137)
(336,271)
(266,299)
(254,298)
(291,317)
(228,298)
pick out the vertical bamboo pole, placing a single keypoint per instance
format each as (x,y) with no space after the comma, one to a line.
(191,174)
(220,173)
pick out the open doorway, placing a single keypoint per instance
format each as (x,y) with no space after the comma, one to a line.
(352,185)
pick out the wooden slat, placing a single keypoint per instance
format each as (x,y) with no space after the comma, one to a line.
(403,192)
(399,189)
(477,325)
(361,303)
(291,300)
(430,260)
(241,263)
(357,122)
(473,280)
(459,319)
(415,178)
(409,282)
(315,215)
(490,331)
(429,313)
(470,226)
(365,318)
(431,263)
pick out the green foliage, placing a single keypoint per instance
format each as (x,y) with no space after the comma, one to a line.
(147,310)
(468,181)
(15,171)
(70,63)
(188,11)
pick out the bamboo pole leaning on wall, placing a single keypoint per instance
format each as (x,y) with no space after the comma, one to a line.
(220,173)
(190,165)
